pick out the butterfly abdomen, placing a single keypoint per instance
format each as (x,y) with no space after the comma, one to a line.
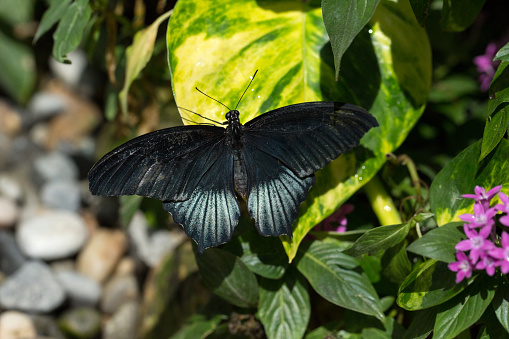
(239,173)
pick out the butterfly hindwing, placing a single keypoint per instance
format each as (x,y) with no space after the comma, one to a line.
(306,137)
(212,212)
(274,192)
(165,164)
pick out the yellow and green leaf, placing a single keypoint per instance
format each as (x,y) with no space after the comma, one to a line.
(216,46)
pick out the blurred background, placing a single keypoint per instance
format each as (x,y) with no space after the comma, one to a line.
(73,265)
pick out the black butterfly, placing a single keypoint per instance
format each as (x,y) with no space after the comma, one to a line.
(270,161)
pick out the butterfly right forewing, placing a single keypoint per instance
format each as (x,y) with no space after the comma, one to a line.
(166,164)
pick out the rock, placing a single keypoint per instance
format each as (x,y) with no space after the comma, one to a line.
(56,166)
(10,257)
(81,290)
(126,266)
(46,327)
(101,254)
(119,290)
(62,194)
(52,235)
(71,73)
(32,288)
(10,188)
(44,105)
(123,323)
(151,249)
(9,212)
(10,119)
(16,325)
(81,323)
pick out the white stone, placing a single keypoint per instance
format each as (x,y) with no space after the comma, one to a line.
(10,187)
(62,194)
(52,235)
(45,104)
(55,166)
(16,325)
(9,212)
(70,73)
(82,290)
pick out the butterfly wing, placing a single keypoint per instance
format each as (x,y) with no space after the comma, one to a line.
(166,164)
(274,192)
(307,136)
(212,212)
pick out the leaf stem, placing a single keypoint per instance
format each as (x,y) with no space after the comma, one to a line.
(382,203)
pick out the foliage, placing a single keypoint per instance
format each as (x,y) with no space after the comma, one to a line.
(386,278)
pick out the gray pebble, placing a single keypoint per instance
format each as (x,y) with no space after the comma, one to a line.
(32,288)
(81,323)
(81,290)
(119,290)
(62,194)
(123,323)
(10,256)
(56,166)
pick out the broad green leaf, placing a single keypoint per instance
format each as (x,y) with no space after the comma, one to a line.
(200,327)
(319,261)
(216,46)
(462,174)
(330,329)
(429,284)
(503,53)
(501,303)
(284,308)
(70,29)
(264,256)
(421,10)
(439,243)
(16,12)
(395,263)
(138,55)
(228,277)
(343,21)
(491,328)
(17,69)
(498,112)
(422,324)
(458,15)
(461,312)
(51,16)
(379,239)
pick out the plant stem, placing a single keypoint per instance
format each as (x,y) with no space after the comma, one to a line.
(381,202)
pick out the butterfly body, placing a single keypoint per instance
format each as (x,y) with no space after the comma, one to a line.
(270,161)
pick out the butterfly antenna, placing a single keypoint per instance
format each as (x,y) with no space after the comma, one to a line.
(252,78)
(198,123)
(201,116)
(208,96)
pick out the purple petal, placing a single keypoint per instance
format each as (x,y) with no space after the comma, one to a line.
(504,220)
(463,245)
(485,231)
(497,253)
(505,267)
(470,196)
(454,266)
(492,192)
(467,217)
(505,240)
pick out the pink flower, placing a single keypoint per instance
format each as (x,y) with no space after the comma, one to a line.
(502,254)
(463,267)
(481,217)
(486,66)
(504,208)
(337,221)
(483,197)
(476,243)
(487,263)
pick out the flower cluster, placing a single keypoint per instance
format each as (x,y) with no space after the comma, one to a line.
(480,230)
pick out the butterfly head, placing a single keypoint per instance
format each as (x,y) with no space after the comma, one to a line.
(232,116)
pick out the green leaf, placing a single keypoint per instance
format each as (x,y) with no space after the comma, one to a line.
(200,327)
(216,46)
(458,15)
(498,112)
(429,284)
(421,10)
(439,243)
(461,312)
(16,12)
(138,55)
(491,328)
(284,308)
(330,329)
(501,303)
(70,29)
(228,277)
(264,256)
(503,53)
(343,21)
(17,69)
(51,16)
(422,324)
(462,174)
(319,261)
(395,263)
(377,240)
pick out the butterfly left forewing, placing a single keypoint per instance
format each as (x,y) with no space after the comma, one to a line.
(307,136)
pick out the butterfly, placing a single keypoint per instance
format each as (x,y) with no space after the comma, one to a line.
(198,171)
